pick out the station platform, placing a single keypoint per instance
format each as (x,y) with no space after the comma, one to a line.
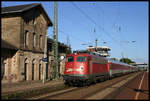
(9,88)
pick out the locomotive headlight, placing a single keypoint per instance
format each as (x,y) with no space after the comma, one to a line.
(80,69)
(69,69)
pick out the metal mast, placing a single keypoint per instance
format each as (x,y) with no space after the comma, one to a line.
(96,42)
(55,38)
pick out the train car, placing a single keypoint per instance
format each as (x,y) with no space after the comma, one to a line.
(116,68)
(134,68)
(85,68)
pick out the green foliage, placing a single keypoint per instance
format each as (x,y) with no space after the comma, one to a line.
(127,60)
(68,51)
(134,64)
(113,58)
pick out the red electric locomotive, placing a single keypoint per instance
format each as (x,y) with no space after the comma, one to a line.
(85,67)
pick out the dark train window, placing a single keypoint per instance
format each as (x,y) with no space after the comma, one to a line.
(69,59)
(81,59)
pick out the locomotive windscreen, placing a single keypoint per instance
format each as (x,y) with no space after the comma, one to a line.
(69,59)
(81,59)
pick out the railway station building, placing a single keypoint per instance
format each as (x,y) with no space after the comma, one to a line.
(23,31)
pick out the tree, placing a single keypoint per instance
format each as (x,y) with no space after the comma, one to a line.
(113,58)
(127,60)
(68,50)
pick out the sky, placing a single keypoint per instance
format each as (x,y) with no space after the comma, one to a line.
(122,25)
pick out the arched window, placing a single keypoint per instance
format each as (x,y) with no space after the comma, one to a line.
(40,42)
(3,66)
(26,20)
(26,62)
(34,40)
(26,38)
(34,21)
(33,67)
(40,70)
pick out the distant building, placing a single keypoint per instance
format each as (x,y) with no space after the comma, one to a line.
(102,50)
(142,66)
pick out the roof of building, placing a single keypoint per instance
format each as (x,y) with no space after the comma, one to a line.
(23,8)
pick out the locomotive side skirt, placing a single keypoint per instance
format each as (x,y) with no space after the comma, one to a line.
(83,77)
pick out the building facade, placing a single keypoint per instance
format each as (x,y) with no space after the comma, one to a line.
(23,39)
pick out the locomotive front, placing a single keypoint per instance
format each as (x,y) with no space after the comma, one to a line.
(76,68)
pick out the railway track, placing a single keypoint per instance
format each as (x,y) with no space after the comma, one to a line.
(99,90)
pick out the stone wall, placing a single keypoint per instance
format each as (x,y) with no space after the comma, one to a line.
(34,23)
(11,30)
(27,65)
(9,66)
(34,65)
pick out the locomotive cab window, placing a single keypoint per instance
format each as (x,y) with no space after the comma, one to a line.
(69,59)
(81,59)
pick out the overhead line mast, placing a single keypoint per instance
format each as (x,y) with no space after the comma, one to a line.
(55,44)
